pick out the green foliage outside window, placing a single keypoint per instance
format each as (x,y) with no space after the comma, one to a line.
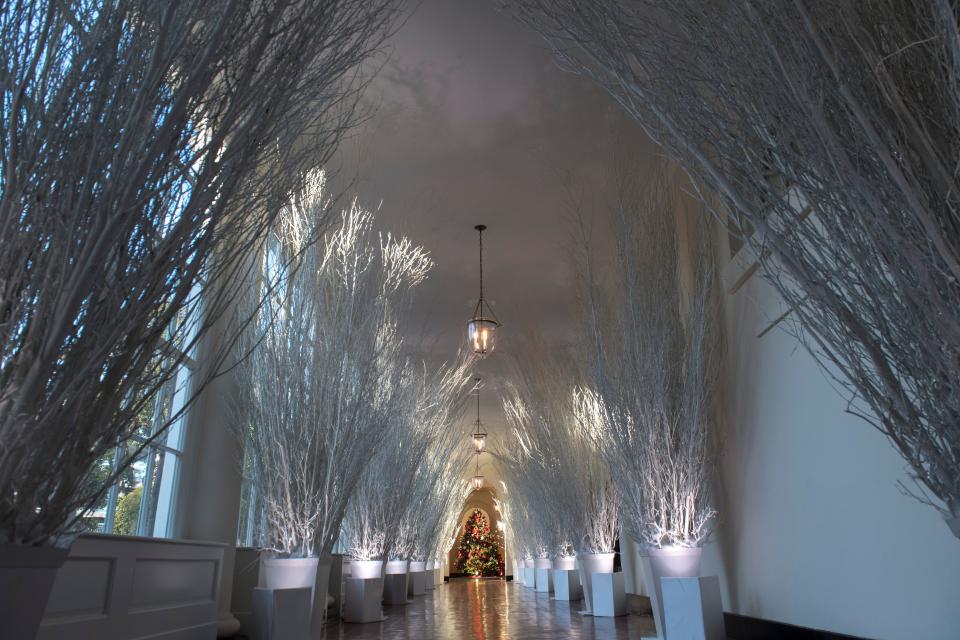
(128,512)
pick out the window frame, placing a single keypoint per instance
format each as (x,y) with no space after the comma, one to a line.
(173,453)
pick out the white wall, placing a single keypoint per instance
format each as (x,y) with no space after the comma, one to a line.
(813,529)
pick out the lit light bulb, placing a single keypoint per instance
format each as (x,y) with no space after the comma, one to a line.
(477,482)
(481,334)
(479,442)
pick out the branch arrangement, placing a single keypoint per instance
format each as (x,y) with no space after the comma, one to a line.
(649,405)
(401,497)
(439,488)
(326,380)
(830,132)
(553,463)
(145,147)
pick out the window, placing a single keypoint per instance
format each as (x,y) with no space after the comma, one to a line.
(252,527)
(142,500)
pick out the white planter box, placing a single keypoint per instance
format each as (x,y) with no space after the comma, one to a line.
(298,573)
(27,575)
(123,588)
(692,608)
(529,577)
(428,579)
(362,601)
(544,580)
(591,564)
(670,562)
(338,569)
(395,587)
(609,596)
(246,576)
(566,585)
(282,614)
(416,584)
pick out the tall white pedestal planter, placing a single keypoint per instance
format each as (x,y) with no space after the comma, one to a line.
(530,577)
(565,562)
(429,580)
(669,562)
(529,573)
(591,563)
(246,577)
(363,598)
(416,585)
(544,579)
(395,588)
(395,582)
(338,569)
(566,585)
(438,573)
(517,574)
(282,614)
(609,596)
(295,573)
(26,579)
(693,609)
(364,592)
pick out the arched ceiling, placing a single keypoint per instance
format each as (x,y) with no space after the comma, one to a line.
(474,123)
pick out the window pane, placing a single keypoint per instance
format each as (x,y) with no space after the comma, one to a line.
(96,516)
(161,479)
(141,502)
(251,526)
(129,495)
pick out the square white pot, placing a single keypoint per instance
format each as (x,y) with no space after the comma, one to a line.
(544,580)
(282,614)
(395,586)
(362,601)
(26,579)
(609,596)
(416,583)
(566,585)
(692,608)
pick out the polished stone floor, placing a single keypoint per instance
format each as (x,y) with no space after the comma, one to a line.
(490,610)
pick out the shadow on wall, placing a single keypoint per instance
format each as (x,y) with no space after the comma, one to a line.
(737,422)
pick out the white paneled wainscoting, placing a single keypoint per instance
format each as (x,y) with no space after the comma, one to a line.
(122,588)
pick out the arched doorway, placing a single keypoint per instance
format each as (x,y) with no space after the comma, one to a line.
(481,502)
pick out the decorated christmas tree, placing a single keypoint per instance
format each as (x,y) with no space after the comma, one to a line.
(479,551)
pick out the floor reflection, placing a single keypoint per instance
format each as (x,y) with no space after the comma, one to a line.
(490,610)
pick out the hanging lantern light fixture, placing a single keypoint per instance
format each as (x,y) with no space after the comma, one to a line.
(482,327)
(477,480)
(479,436)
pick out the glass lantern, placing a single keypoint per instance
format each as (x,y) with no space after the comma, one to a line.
(477,482)
(482,327)
(481,334)
(479,442)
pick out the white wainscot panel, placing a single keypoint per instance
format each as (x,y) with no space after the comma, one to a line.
(123,588)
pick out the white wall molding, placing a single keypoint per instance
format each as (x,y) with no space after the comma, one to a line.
(123,588)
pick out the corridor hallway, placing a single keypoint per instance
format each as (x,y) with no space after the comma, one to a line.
(466,609)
